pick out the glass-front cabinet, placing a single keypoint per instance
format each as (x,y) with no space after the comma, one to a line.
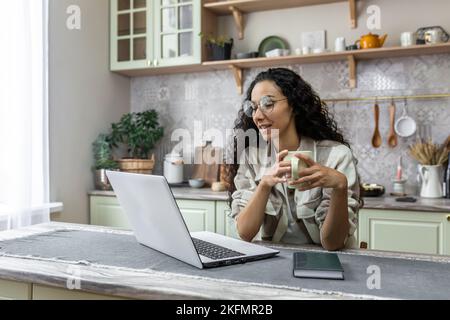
(177,39)
(131,34)
(154,33)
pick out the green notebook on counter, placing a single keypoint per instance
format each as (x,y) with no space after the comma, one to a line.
(323,265)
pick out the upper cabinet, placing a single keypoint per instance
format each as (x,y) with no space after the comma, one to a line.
(154,33)
(131,34)
(177,28)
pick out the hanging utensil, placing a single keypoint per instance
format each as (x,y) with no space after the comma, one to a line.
(392,138)
(376,139)
(405,126)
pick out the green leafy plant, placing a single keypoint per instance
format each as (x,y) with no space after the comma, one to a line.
(139,131)
(103,153)
(219,40)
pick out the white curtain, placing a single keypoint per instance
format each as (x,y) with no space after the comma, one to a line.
(24,164)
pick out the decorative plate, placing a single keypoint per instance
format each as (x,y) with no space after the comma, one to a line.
(270,43)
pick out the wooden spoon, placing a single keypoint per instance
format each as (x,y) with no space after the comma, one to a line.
(392,139)
(376,139)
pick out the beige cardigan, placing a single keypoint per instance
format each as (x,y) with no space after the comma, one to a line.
(312,205)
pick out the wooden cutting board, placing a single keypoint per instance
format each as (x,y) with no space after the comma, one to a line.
(209,168)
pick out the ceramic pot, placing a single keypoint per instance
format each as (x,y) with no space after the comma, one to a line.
(431,181)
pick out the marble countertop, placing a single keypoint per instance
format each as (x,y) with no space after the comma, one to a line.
(422,204)
(151,284)
(181,193)
(385,203)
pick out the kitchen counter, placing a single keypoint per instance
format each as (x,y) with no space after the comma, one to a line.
(422,204)
(180,193)
(402,275)
(386,203)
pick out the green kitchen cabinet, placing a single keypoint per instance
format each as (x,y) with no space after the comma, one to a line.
(199,215)
(224,223)
(106,211)
(405,231)
(13,290)
(151,34)
(41,292)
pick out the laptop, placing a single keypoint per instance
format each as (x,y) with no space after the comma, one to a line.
(158,223)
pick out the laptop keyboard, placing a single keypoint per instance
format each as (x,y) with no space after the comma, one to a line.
(214,251)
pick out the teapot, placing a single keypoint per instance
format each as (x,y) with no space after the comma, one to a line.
(371,41)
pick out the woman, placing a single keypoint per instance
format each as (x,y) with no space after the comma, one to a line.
(322,208)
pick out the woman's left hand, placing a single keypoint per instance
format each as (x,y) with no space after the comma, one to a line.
(317,175)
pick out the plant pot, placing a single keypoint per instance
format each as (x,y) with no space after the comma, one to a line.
(101,180)
(220,53)
(143,166)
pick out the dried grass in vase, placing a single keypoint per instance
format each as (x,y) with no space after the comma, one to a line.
(428,153)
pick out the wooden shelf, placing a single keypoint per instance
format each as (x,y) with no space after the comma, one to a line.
(239,7)
(352,57)
(392,52)
(247,6)
(277,61)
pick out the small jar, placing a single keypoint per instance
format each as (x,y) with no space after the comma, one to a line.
(399,186)
(173,168)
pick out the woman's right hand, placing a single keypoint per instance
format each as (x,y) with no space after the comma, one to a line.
(279,172)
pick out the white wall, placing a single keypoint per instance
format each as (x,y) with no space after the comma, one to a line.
(396,16)
(85,98)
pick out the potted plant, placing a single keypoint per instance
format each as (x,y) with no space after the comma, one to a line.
(219,47)
(103,161)
(139,132)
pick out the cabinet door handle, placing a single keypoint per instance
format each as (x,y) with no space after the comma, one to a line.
(149,63)
(155,62)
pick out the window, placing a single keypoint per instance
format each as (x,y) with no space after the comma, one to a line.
(24,165)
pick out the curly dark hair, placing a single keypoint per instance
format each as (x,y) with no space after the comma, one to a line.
(312,118)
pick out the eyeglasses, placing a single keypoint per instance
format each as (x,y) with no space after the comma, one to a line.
(266,105)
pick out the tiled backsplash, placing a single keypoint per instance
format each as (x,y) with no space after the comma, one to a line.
(211,97)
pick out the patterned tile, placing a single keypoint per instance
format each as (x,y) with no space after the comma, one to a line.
(210,97)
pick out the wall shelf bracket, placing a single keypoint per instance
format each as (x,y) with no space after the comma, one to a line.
(351,71)
(237,72)
(352,5)
(238,20)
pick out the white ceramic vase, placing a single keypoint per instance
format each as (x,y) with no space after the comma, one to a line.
(431,181)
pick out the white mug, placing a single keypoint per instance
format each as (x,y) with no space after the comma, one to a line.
(306,50)
(297,164)
(433,36)
(339,44)
(407,39)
